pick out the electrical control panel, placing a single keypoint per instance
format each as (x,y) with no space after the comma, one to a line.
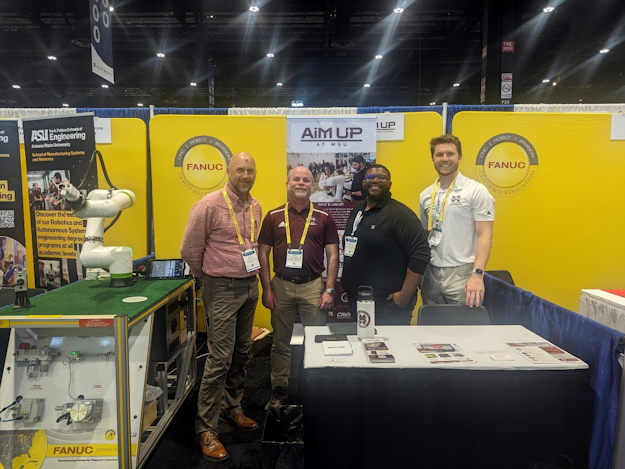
(29,410)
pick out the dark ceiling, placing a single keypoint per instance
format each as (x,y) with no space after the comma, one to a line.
(324,52)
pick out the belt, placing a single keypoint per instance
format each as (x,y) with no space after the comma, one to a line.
(299,280)
(236,279)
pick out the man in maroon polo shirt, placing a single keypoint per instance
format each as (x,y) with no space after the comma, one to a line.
(219,244)
(298,242)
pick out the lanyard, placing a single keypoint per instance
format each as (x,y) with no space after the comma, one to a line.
(234,218)
(357,221)
(442,214)
(288,227)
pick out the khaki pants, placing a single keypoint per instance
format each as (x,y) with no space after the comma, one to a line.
(445,285)
(291,298)
(230,305)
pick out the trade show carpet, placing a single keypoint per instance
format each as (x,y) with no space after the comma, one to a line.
(177,449)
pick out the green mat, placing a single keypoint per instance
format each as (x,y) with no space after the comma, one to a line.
(95,297)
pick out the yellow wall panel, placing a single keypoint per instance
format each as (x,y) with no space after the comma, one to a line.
(564,231)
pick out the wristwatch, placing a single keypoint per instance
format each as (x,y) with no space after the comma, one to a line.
(479,272)
(331,291)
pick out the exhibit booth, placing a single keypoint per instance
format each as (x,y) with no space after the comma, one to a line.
(557,230)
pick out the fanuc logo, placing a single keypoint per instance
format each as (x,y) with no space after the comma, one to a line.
(507,164)
(201,164)
(39,135)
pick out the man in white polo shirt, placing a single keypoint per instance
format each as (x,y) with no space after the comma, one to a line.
(459,214)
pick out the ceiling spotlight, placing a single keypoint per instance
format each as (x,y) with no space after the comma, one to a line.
(211,16)
(456,85)
(398,10)
(65,105)
(432,104)
(279,84)
(17,87)
(367,85)
(580,100)
(254,9)
(51,57)
(548,9)
(111,9)
(105,86)
(160,54)
(193,84)
(140,104)
(604,51)
(378,57)
(554,83)
(270,55)
(546,80)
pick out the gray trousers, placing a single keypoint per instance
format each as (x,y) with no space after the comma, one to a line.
(230,305)
(445,285)
(291,298)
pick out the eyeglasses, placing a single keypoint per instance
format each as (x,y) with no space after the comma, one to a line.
(372,177)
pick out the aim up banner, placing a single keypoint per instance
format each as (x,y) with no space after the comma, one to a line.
(337,150)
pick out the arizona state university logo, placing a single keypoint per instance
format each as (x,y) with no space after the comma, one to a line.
(507,164)
(201,164)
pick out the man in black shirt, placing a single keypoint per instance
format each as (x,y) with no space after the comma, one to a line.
(386,248)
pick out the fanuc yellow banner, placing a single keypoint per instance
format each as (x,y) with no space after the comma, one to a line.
(559,203)
(190,155)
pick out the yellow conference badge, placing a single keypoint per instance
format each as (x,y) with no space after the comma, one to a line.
(507,164)
(201,164)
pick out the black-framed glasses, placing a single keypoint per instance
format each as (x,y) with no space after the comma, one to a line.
(372,177)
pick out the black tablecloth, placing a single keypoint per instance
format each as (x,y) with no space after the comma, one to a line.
(441,418)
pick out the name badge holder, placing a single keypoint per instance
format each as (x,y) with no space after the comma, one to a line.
(352,241)
(295,257)
(251,260)
(436,232)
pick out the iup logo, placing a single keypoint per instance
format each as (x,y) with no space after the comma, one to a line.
(364,318)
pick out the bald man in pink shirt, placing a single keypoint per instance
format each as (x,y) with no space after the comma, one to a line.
(220,244)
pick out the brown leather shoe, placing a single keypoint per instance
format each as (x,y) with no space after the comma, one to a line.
(239,420)
(211,447)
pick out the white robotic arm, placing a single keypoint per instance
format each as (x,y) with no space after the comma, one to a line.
(97,206)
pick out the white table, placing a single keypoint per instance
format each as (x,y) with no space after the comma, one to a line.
(603,307)
(476,342)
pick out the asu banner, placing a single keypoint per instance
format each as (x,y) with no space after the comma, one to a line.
(57,149)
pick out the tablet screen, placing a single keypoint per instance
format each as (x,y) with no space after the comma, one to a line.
(167,268)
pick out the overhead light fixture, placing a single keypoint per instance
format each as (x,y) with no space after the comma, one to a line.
(111,9)
(270,55)
(17,87)
(398,10)
(604,51)
(379,57)
(51,57)
(160,54)
(105,86)
(65,105)
(456,85)
(580,100)
(367,85)
(254,9)
(546,80)
(279,84)
(193,84)
(554,83)
(211,16)
(432,104)
(140,104)
(297,104)
(548,9)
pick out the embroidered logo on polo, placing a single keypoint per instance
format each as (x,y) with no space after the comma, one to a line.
(455,200)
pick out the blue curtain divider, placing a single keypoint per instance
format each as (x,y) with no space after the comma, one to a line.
(597,345)
(381,110)
(139,112)
(189,110)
